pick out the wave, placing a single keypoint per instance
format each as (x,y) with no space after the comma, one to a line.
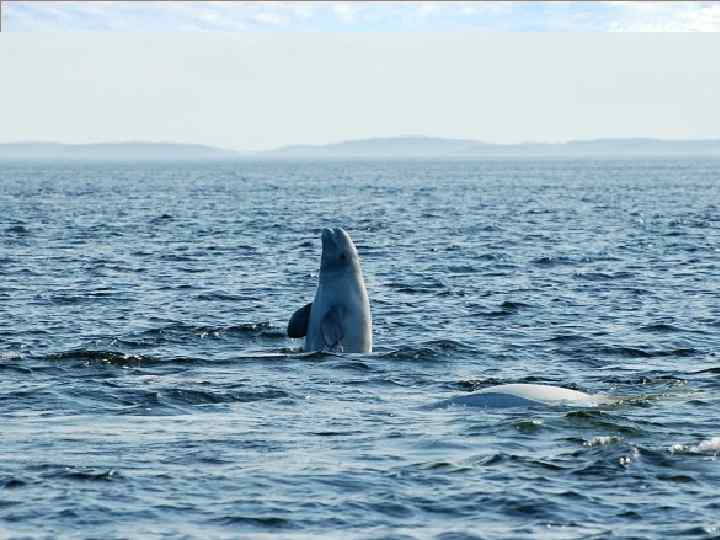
(648,379)
(588,346)
(505,309)
(601,420)
(188,396)
(18,230)
(183,333)
(264,522)
(603,276)
(429,350)
(710,447)
(634,352)
(222,296)
(660,328)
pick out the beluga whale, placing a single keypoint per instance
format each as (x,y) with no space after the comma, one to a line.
(525,395)
(338,319)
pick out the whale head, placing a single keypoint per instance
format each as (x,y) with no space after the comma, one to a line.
(338,252)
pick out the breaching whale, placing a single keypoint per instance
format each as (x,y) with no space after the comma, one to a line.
(338,319)
(524,395)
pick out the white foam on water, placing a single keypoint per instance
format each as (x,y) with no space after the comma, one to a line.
(709,447)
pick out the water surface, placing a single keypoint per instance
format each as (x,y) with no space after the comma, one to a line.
(148,389)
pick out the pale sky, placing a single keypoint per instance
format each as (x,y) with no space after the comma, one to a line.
(259,90)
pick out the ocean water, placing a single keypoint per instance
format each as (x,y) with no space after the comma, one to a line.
(148,389)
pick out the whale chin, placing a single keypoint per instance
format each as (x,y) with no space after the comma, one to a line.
(525,395)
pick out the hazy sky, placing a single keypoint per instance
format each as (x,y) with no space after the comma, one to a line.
(264,89)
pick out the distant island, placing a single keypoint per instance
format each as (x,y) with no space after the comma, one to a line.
(376,148)
(430,147)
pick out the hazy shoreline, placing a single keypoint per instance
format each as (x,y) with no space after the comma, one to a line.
(423,148)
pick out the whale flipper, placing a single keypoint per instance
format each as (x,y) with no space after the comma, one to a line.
(298,325)
(331,330)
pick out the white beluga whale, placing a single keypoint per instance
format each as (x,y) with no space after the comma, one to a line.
(525,395)
(338,319)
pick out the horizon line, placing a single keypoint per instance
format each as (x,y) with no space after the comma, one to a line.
(364,139)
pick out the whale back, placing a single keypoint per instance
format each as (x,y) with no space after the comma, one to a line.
(525,395)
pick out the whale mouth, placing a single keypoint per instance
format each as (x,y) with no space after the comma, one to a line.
(326,237)
(334,237)
(338,250)
(336,240)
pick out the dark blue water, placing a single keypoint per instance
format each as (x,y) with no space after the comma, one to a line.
(147,388)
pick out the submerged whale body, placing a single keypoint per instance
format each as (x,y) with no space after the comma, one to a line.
(524,395)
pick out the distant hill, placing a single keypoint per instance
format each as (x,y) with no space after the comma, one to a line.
(430,147)
(124,151)
(378,148)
